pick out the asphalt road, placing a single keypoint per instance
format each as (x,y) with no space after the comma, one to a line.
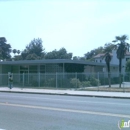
(54,112)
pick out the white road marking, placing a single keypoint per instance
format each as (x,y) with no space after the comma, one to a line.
(66,110)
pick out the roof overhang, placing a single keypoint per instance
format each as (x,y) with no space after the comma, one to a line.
(52,61)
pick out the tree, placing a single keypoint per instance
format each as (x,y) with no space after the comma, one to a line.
(18,52)
(14,51)
(5,49)
(51,55)
(122,48)
(108,47)
(92,53)
(78,58)
(35,47)
(34,50)
(108,60)
(98,50)
(24,54)
(32,57)
(60,54)
(18,57)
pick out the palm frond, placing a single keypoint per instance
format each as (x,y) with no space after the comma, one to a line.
(114,41)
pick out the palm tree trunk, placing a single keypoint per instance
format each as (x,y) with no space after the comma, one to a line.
(109,75)
(109,78)
(120,64)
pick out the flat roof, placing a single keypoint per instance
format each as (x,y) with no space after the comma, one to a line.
(52,61)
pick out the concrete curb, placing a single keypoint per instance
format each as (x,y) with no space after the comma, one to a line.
(66,94)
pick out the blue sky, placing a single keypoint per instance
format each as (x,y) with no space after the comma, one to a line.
(77,25)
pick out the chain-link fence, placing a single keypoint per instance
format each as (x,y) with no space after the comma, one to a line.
(81,81)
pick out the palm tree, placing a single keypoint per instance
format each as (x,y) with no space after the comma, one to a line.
(18,51)
(108,60)
(14,51)
(122,48)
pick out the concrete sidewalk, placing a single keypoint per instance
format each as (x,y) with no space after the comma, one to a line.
(67,92)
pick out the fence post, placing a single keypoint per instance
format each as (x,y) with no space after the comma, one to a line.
(76,79)
(39,77)
(45,78)
(98,81)
(123,84)
(7,78)
(56,80)
(23,79)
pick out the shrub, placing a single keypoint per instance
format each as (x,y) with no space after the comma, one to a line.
(85,84)
(94,81)
(75,82)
